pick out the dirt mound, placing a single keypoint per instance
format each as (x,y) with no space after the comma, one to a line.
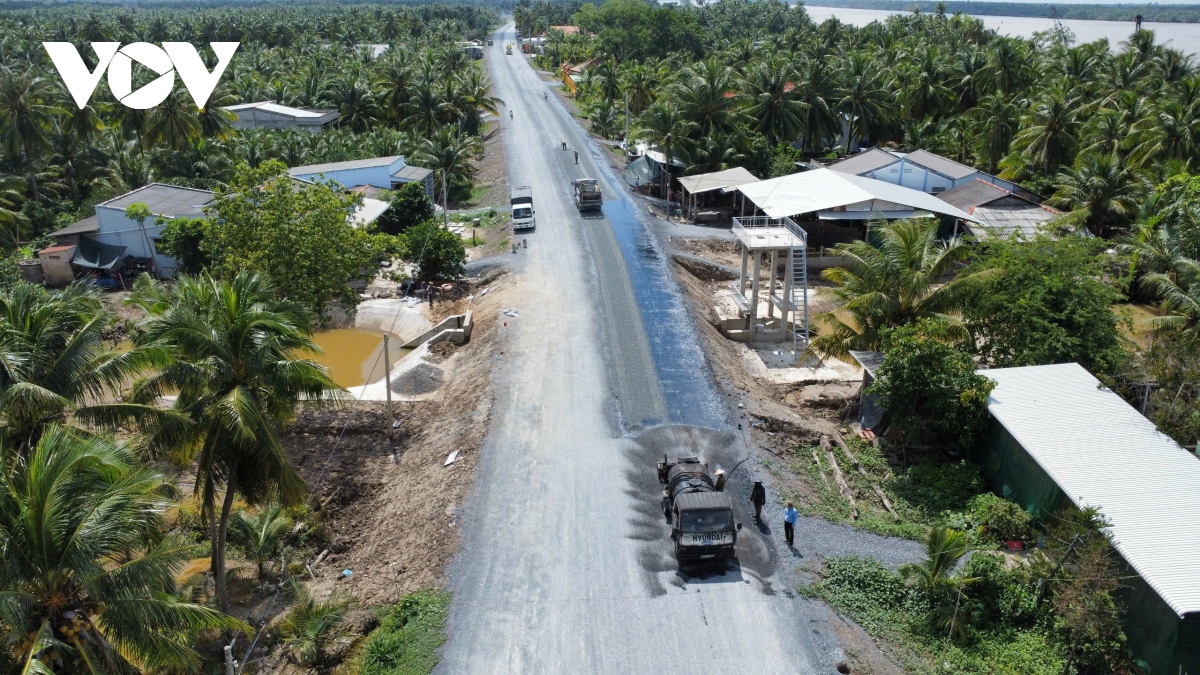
(422,378)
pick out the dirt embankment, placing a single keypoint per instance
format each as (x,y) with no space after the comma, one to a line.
(385,496)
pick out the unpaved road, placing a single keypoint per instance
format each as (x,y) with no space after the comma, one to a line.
(565,565)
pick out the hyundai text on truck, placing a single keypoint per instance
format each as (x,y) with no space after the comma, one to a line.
(522,208)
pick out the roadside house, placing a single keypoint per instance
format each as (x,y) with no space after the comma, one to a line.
(1001,213)
(919,170)
(270,115)
(1057,436)
(386,173)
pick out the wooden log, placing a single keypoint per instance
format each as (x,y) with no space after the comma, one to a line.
(843,486)
(874,486)
(820,469)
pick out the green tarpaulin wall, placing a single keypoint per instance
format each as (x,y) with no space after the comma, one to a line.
(1157,636)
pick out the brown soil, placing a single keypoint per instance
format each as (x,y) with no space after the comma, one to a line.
(388,502)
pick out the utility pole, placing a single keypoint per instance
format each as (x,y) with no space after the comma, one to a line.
(387,381)
(627,123)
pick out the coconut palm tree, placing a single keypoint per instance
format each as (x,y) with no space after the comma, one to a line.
(26,112)
(311,624)
(1049,133)
(861,98)
(56,367)
(259,535)
(87,575)
(897,282)
(665,124)
(12,221)
(234,368)
(174,122)
(706,92)
(818,90)
(450,152)
(1100,190)
(934,577)
(774,101)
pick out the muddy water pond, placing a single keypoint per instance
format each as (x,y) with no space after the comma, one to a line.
(352,355)
(1136,329)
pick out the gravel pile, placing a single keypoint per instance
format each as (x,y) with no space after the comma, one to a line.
(422,378)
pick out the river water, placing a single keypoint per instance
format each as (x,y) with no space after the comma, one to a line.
(1181,36)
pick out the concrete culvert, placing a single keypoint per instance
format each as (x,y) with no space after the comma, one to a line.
(420,379)
(843,667)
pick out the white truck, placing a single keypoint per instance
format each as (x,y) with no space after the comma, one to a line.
(522,208)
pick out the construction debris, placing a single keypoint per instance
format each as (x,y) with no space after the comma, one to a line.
(843,486)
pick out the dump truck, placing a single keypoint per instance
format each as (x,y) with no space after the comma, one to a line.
(508,49)
(521,200)
(587,195)
(701,512)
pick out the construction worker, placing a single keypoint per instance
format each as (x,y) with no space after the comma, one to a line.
(564,144)
(510,114)
(576,156)
(758,497)
(789,524)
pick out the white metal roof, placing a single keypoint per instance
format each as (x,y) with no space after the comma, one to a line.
(1102,453)
(705,182)
(368,212)
(827,190)
(278,108)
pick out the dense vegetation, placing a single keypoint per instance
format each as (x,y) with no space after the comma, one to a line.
(1097,12)
(420,96)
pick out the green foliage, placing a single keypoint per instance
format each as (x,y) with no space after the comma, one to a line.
(1001,629)
(409,206)
(895,281)
(311,625)
(783,160)
(184,240)
(233,349)
(1000,518)
(938,487)
(1044,302)
(626,28)
(439,254)
(409,636)
(259,536)
(297,235)
(76,505)
(935,579)
(930,389)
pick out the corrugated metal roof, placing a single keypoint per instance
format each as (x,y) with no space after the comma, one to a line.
(937,163)
(717,180)
(826,189)
(870,361)
(973,193)
(165,200)
(1102,453)
(412,173)
(368,212)
(86,226)
(313,169)
(864,162)
(1005,221)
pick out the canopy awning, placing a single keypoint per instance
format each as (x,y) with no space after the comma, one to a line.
(827,192)
(720,180)
(91,254)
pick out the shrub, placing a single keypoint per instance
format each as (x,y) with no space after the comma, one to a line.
(438,254)
(409,635)
(1001,518)
(930,389)
(408,206)
(935,488)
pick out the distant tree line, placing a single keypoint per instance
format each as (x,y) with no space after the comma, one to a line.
(1155,12)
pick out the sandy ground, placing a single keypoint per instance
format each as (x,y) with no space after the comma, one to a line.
(386,497)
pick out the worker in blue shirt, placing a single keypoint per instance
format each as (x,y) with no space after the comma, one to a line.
(789,524)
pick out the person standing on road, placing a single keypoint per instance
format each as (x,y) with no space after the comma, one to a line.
(789,524)
(431,296)
(576,156)
(564,144)
(758,497)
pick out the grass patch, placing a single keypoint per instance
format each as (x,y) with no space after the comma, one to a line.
(922,495)
(1006,633)
(408,638)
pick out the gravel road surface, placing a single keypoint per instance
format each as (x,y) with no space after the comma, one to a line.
(566,565)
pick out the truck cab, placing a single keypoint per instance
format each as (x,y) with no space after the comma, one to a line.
(521,200)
